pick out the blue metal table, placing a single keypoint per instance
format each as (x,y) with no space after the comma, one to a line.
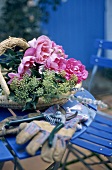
(19,150)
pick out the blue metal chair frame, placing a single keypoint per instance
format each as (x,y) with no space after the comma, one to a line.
(99,60)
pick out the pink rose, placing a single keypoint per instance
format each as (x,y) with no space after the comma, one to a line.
(30,52)
(26,64)
(55,63)
(40,48)
(74,67)
(33,43)
(43,48)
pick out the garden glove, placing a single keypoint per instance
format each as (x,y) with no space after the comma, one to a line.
(38,132)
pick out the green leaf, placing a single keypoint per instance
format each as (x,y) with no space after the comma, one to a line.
(12,96)
(29,100)
(27,106)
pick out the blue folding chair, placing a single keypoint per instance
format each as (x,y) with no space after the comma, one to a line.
(97,139)
(100,59)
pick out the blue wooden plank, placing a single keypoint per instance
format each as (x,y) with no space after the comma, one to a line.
(101,61)
(103,119)
(99,133)
(103,127)
(5,155)
(96,140)
(93,147)
(103,44)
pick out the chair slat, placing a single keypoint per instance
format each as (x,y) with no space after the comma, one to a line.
(101,61)
(98,60)
(96,140)
(5,155)
(93,147)
(103,119)
(103,127)
(99,133)
(99,43)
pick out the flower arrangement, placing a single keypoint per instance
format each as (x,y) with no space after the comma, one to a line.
(41,71)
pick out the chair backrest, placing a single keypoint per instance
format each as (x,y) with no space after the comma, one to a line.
(100,59)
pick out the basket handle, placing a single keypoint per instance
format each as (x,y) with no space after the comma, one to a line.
(10,43)
(4,84)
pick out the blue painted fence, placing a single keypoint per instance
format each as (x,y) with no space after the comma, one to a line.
(75,26)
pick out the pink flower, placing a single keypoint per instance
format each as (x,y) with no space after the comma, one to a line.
(40,48)
(26,64)
(55,63)
(12,75)
(82,74)
(45,54)
(43,48)
(59,50)
(30,52)
(33,43)
(74,67)
(23,68)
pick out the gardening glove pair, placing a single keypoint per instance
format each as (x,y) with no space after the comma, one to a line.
(38,133)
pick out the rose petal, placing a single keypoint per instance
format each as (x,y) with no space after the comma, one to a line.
(33,43)
(30,52)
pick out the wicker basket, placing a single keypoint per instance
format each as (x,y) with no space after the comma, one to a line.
(11,43)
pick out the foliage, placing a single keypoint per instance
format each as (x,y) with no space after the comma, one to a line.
(23,18)
(11,59)
(29,89)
